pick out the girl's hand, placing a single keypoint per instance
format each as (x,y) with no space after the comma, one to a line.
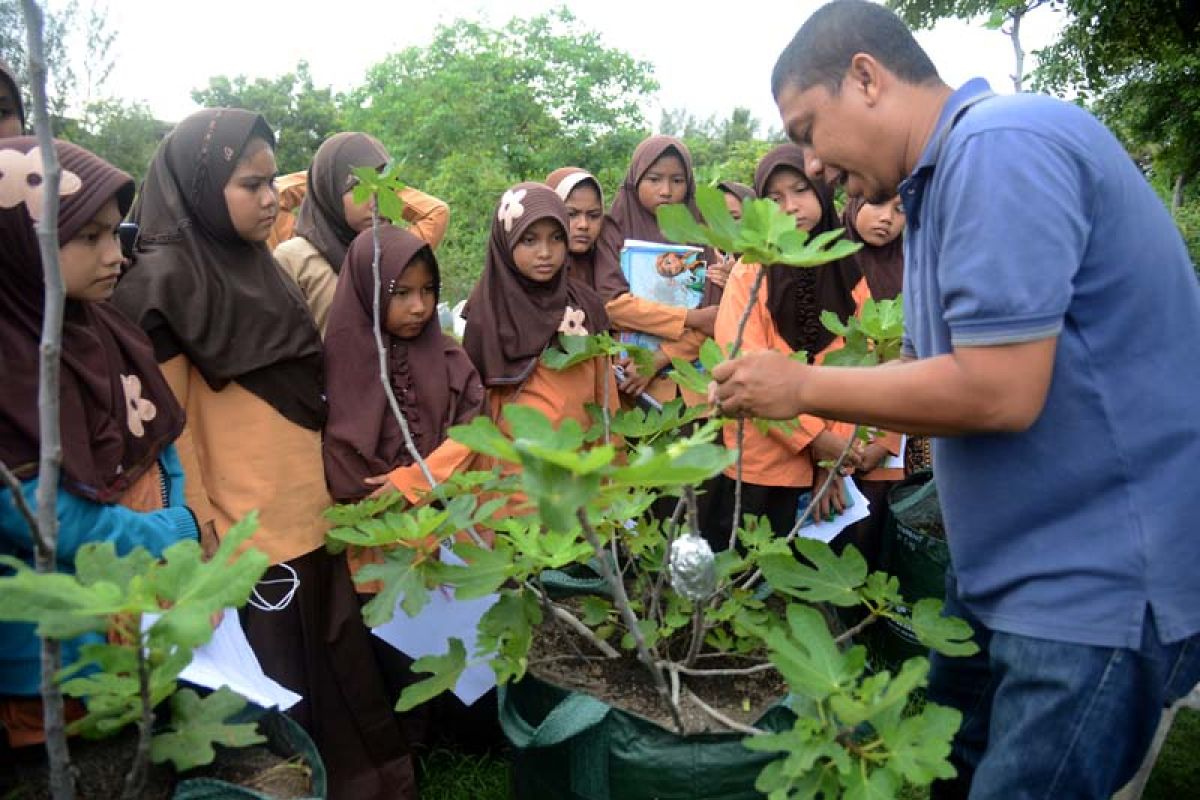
(828,447)
(702,319)
(873,455)
(382,482)
(834,501)
(718,272)
(636,383)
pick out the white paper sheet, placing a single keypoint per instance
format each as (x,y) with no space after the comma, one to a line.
(825,531)
(227,660)
(429,633)
(897,462)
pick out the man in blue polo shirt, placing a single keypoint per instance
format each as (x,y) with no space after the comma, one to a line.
(1052,320)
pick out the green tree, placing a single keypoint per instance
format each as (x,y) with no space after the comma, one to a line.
(482,107)
(1004,15)
(123,133)
(301,114)
(722,148)
(71,29)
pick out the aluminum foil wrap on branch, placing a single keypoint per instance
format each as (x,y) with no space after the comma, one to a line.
(693,574)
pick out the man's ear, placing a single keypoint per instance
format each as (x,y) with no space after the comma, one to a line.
(864,77)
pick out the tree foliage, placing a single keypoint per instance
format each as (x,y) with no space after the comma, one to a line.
(301,114)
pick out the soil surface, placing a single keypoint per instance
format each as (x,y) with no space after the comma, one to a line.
(100,768)
(561,657)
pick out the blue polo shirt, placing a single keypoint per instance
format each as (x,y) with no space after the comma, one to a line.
(1028,221)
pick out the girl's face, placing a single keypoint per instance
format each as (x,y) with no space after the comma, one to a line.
(733,204)
(413,300)
(358,215)
(665,182)
(795,196)
(880,224)
(250,193)
(91,262)
(10,118)
(586,215)
(541,251)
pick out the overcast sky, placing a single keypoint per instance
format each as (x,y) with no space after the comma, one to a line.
(708,56)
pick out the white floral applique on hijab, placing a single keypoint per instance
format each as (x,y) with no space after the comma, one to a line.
(138,409)
(21,180)
(511,209)
(572,322)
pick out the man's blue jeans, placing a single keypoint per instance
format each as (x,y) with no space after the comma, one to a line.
(1046,719)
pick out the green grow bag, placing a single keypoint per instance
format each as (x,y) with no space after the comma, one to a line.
(285,738)
(571,746)
(916,559)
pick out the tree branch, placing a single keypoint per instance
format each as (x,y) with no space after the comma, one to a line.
(717,673)
(733,725)
(850,633)
(621,599)
(135,781)
(62,785)
(14,486)
(741,423)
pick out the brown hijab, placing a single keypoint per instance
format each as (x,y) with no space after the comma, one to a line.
(433,379)
(883,267)
(796,296)
(322,219)
(200,289)
(511,319)
(117,411)
(629,219)
(739,190)
(580,266)
(10,77)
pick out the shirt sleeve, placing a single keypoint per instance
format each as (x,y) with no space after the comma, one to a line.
(82,521)
(428,216)
(1015,224)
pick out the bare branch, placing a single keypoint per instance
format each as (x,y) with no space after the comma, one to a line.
(135,780)
(621,600)
(741,423)
(62,784)
(717,673)
(733,725)
(850,633)
(14,486)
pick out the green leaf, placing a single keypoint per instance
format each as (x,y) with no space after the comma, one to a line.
(483,436)
(595,610)
(445,670)
(485,570)
(402,577)
(686,375)
(571,350)
(831,578)
(723,228)
(880,784)
(833,324)
(711,355)
(808,658)
(197,724)
(950,636)
(919,746)
(677,224)
(506,630)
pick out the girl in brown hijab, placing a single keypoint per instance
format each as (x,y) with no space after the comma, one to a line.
(521,304)
(881,261)
(329,219)
(660,172)
(121,477)
(434,381)
(584,198)
(242,354)
(777,467)
(12,110)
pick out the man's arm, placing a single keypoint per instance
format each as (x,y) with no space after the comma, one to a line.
(994,389)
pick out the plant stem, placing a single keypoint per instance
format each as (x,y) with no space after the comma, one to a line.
(14,486)
(631,621)
(733,725)
(820,494)
(715,673)
(135,781)
(574,623)
(673,525)
(698,626)
(62,785)
(381,353)
(741,423)
(850,633)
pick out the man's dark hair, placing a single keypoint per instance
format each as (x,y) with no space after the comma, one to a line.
(821,51)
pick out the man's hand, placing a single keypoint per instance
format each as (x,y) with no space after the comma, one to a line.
(762,384)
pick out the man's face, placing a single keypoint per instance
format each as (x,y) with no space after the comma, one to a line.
(843,136)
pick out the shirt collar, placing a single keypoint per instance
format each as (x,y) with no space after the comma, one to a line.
(912,189)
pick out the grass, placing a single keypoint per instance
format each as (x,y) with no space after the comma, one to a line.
(452,776)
